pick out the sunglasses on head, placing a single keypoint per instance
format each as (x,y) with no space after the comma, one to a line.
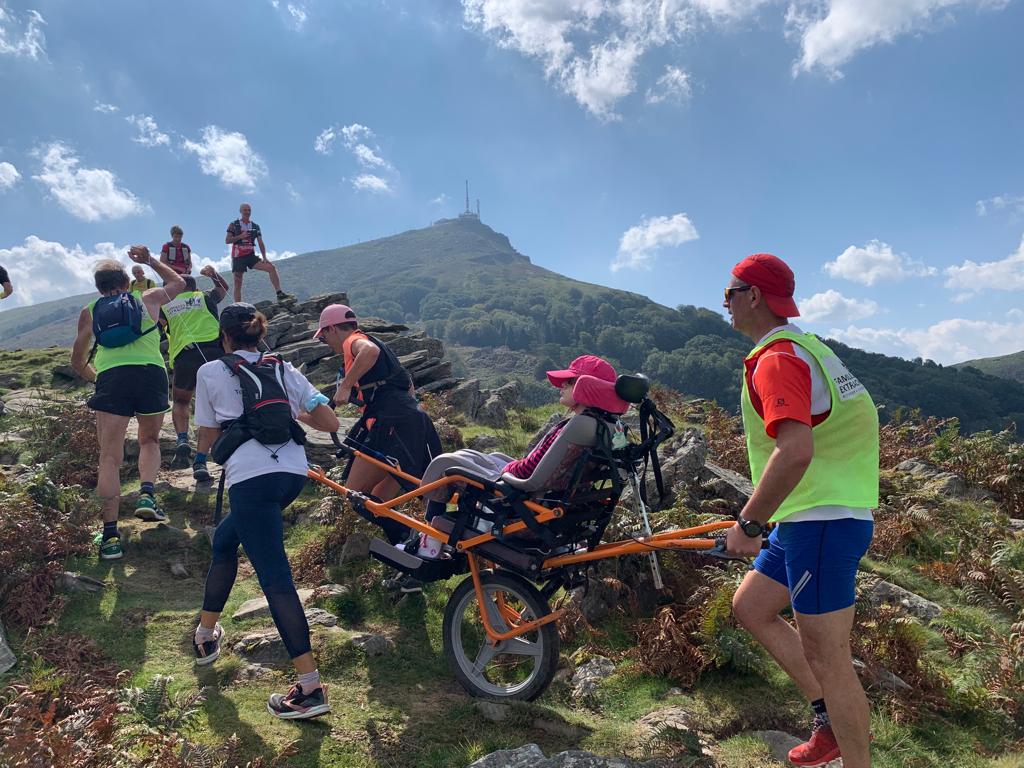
(739,289)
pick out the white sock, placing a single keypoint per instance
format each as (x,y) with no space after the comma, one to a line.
(310,681)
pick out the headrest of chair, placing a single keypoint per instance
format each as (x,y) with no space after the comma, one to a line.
(632,389)
(598,393)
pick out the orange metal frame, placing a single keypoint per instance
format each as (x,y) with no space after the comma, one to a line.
(678,539)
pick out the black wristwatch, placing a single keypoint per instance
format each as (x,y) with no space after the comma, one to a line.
(752,528)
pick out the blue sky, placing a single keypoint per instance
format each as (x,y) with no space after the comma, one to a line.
(645,144)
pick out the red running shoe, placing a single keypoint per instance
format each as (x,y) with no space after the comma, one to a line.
(820,749)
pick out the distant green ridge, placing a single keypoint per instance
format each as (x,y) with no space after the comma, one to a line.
(1005,366)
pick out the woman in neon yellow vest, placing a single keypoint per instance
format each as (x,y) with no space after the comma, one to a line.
(812,441)
(131,380)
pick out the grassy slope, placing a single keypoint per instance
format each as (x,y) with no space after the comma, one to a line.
(1005,366)
(404,709)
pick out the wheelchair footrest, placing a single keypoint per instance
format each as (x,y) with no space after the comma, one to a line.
(424,569)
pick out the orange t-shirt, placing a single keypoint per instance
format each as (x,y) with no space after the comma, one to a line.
(785,382)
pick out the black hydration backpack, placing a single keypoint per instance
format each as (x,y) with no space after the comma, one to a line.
(266,413)
(117,321)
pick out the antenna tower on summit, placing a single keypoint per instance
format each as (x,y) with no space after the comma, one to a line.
(468,213)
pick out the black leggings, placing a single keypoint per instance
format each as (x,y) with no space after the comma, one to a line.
(255,523)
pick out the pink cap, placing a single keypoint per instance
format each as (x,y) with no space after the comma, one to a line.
(584,365)
(334,314)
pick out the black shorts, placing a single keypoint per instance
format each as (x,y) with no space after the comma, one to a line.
(411,439)
(188,361)
(245,263)
(131,390)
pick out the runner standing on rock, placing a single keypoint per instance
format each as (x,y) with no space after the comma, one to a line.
(5,283)
(812,442)
(131,380)
(176,254)
(243,236)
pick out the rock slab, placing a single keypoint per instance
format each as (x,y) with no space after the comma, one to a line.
(259,606)
(885,592)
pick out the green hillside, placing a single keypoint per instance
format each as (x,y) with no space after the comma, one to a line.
(1004,366)
(467,284)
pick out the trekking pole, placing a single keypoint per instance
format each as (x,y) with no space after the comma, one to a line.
(634,482)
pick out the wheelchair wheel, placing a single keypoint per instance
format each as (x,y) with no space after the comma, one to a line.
(520,668)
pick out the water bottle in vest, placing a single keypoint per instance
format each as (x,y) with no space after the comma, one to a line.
(117,320)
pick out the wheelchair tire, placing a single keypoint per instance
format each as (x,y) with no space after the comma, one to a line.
(518,669)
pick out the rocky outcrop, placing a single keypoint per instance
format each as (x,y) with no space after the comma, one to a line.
(531,756)
(290,333)
(884,592)
(486,406)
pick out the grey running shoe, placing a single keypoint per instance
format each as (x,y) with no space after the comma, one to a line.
(298,705)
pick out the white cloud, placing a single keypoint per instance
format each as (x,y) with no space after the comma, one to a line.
(1012,203)
(106,109)
(946,342)
(90,194)
(360,142)
(729,9)
(441,199)
(589,48)
(832,32)
(971,278)
(293,193)
(674,85)
(19,40)
(875,262)
(640,244)
(42,270)
(368,182)
(228,156)
(832,307)
(9,176)
(149,134)
(298,14)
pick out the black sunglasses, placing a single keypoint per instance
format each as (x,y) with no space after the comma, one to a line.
(730,291)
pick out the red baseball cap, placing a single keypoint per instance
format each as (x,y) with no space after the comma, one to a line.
(775,279)
(584,365)
(334,314)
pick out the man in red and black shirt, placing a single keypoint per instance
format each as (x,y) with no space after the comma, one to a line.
(243,236)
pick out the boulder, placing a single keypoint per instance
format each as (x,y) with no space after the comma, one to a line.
(493,412)
(485,443)
(1017,526)
(356,547)
(373,645)
(438,386)
(414,359)
(65,373)
(316,304)
(531,756)
(441,369)
(318,617)
(880,678)
(779,743)
(528,756)
(492,711)
(508,393)
(258,606)
(884,592)
(726,484)
(589,676)
(76,582)
(262,647)
(302,352)
(918,468)
(7,657)
(466,397)
(600,598)
(947,484)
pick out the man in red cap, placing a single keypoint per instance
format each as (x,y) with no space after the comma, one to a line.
(812,442)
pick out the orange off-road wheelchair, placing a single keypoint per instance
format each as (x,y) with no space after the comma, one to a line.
(520,543)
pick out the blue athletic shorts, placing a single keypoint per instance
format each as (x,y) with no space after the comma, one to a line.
(817,561)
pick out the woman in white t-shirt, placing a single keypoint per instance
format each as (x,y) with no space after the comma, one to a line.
(261,482)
